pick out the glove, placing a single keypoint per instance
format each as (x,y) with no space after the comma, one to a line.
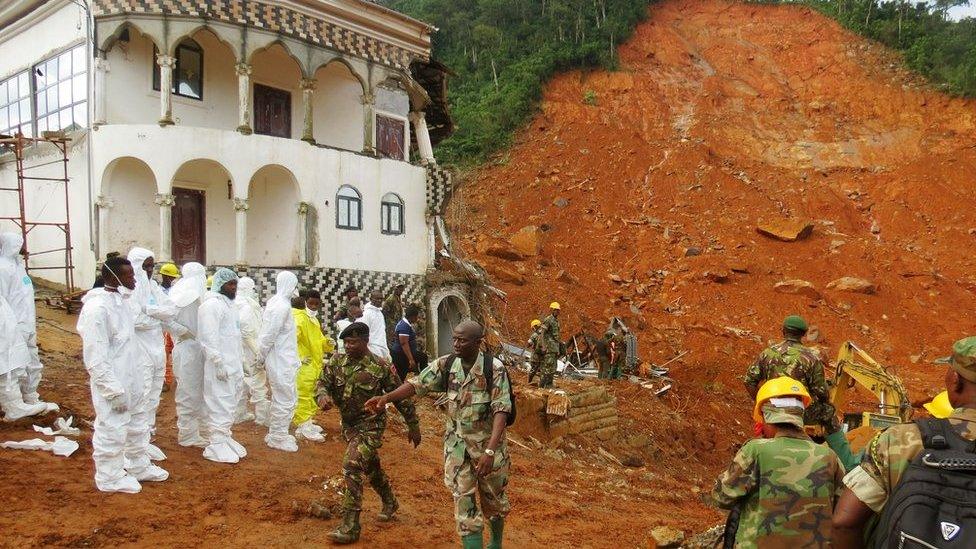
(221,373)
(118,404)
(306,361)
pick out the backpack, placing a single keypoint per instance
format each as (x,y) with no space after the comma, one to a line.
(488,371)
(934,505)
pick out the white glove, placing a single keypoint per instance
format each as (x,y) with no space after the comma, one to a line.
(118,404)
(221,373)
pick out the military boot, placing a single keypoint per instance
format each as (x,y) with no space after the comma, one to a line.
(390,506)
(497,526)
(348,531)
(472,541)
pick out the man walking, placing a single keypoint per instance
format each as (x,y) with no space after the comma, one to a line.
(476,462)
(373,317)
(278,348)
(551,343)
(350,382)
(311,344)
(535,348)
(117,366)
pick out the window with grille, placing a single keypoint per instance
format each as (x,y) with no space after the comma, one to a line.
(15,105)
(391,214)
(188,72)
(349,210)
(61,91)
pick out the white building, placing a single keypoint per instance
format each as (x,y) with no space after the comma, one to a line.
(259,134)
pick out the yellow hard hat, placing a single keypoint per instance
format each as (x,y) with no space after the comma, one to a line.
(779,387)
(554,305)
(169,269)
(535,323)
(209,281)
(940,406)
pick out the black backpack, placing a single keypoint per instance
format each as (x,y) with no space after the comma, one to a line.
(934,505)
(488,370)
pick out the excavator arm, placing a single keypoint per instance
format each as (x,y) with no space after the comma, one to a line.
(856,367)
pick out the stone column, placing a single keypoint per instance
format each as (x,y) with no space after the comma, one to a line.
(241,206)
(166,64)
(165,203)
(101,68)
(303,233)
(369,102)
(419,120)
(104,205)
(308,90)
(244,98)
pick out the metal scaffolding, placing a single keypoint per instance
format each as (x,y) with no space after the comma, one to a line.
(26,176)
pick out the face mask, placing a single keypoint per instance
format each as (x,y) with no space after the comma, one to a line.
(124,292)
(311,313)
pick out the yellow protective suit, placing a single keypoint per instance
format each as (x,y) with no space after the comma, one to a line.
(311,348)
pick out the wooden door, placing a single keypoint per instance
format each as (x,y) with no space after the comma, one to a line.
(390,137)
(189,226)
(272,111)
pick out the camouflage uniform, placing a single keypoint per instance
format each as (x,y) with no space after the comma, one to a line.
(790,358)
(392,313)
(602,352)
(470,413)
(535,347)
(550,346)
(349,383)
(785,489)
(619,356)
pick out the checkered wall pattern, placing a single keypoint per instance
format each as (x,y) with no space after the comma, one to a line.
(272,18)
(333,282)
(439,185)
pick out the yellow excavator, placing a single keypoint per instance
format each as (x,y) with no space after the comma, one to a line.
(856,367)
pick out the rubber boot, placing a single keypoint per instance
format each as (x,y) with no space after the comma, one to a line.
(497,526)
(13,404)
(390,508)
(472,541)
(839,444)
(348,531)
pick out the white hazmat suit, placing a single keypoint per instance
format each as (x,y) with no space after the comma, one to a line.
(223,373)
(186,294)
(151,308)
(18,289)
(13,360)
(117,368)
(278,348)
(249,313)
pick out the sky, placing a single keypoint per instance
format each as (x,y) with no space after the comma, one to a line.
(963,11)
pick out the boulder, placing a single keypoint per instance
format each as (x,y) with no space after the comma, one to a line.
(505,274)
(527,241)
(787,230)
(693,251)
(504,251)
(853,284)
(563,276)
(560,202)
(665,537)
(797,287)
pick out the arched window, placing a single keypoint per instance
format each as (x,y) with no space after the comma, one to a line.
(349,209)
(391,214)
(188,73)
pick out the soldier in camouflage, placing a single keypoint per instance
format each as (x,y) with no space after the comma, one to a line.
(476,462)
(551,343)
(784,485)
(890,452)
(348,382)
(535,348)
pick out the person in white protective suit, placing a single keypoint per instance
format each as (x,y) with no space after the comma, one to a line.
(278,348)
(223,372)
(249,313)
(117,367)
(18,289)
(187,294)
(373,317)
(13,359)
(151,308)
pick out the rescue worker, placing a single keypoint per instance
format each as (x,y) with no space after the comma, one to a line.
(393,312)
(350,382)
(791,358)
(187,294)
(18,289)
(888,455)
(117,366)
(151,308)
(373,317)
(618,355)
(278,350)
(783,485)
(535,348)
(169,274)
(355,312)
(13,358)
(349,295)
(255,380)
(551,344)
(311,345)
(476,462)
(603,354)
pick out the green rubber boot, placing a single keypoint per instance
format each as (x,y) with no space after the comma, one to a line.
(839,444)
(348,531)
(497,525)
(390,507)
(472,541)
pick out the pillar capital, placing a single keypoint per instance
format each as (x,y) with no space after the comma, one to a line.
(368,99)
(105,202)
(243,69)
(307,84)
(241,204)
(303,208)
(165,200)
(102,64)
(417,117)
(166,61)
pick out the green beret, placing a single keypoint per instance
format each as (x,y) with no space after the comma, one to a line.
(795,322)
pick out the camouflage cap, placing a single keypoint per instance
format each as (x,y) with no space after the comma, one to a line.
(773,415)
(795,322)
(963,358)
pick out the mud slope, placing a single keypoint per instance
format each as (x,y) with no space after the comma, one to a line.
(724,115)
